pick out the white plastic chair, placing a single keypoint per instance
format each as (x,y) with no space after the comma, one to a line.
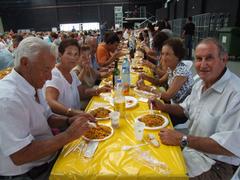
(196,78)
(236,175)
(188,63)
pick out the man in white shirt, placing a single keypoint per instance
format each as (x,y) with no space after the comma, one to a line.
(27,146)
(211,149)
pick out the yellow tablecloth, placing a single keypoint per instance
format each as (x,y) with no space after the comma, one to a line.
(111,162)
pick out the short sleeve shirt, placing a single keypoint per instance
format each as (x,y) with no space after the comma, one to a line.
(22,121)
(214,113)
(102,54)
(68,93)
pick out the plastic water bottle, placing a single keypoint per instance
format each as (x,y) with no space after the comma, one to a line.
(119,99)
(126,76)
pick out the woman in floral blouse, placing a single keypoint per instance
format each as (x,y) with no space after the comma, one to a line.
(178,76)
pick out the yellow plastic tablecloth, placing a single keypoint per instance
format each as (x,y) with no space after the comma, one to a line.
(111,162)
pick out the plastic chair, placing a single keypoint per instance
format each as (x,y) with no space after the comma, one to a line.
(236,175)
(188,63)
(196,78)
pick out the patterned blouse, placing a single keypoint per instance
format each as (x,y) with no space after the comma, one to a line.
(185,90)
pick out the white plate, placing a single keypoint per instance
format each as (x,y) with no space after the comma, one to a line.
(166,122)
(142,93)
(130,104)
(127,98)
(99,119)
(100,139)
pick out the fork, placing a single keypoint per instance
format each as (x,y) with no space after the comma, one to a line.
(151,108)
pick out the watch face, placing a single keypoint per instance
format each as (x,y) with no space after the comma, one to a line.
(184,141)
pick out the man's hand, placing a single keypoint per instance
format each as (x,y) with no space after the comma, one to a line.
(118,54)
(170,137)
(78,127)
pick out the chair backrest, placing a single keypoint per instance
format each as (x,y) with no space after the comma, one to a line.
(196,78)
(236,175)
(188,63)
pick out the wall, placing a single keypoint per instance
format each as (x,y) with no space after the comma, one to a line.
(161,13)
(231,7)
(44,14)
(1,26)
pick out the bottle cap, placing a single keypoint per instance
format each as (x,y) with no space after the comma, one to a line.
(119,80)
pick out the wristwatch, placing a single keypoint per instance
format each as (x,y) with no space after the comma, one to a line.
(184,141)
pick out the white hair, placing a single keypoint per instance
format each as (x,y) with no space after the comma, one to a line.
(30,48)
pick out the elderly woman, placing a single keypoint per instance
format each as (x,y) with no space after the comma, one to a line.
(153,55)
(86,74)
(178,77)
(64,90)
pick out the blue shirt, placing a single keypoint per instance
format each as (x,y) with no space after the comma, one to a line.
(6,59)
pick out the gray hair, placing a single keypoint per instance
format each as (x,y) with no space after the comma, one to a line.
(221,50)
(30,48)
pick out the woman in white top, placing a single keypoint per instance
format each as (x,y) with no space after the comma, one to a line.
(64,90)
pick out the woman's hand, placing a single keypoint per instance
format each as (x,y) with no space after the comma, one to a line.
(103,89)
(140,85)
(143,76)
(148,64)
(81,114)
(156,103)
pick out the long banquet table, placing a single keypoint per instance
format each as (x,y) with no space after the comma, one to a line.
(111,162)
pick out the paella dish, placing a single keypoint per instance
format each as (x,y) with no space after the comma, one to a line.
(100,132)
(152,120)
(100,112)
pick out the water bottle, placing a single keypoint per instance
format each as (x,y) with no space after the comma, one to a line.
(119,99)
(126,76)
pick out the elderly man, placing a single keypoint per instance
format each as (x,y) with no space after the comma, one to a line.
(27,146)
(211,149)
(92,43)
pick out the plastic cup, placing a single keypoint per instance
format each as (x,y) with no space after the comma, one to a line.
(139,130)
(114,116)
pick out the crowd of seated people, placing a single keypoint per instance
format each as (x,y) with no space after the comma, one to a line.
(61,77)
